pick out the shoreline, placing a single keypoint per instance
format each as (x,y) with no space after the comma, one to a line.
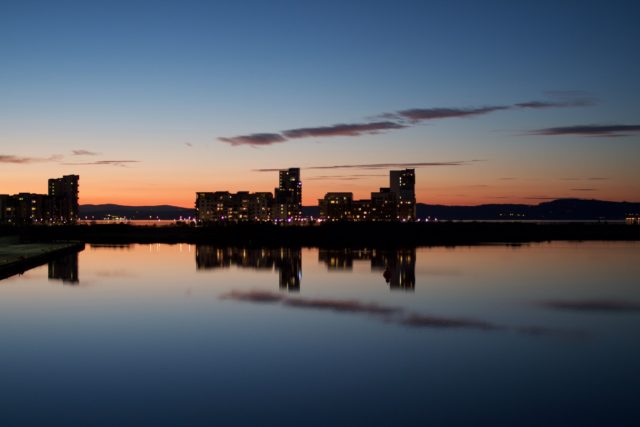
(18,257)
(334,234)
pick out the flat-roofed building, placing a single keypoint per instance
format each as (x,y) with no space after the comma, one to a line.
(336,207)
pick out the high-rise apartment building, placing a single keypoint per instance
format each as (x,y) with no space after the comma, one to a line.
(288,196)
(403,184)
(256,207)
(59,206)
(65,193)
(394,203)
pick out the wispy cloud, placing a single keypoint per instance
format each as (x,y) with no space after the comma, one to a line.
(254,139)
(402,119)
(382,165)
(556,104)
(583,189)
(507,178)
(188,144)
(588,130)
(8,158)
(421,114)
(540,198)
(121,163)
(84,153)
(353,129)
(604,305)
(341,177)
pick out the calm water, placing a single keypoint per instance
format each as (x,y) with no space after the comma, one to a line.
(546,334)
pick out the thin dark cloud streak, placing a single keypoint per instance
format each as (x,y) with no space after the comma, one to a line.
(342,129)
(122,163)
(552,104)
(20,160)
(415,115)
(342,177)
(84,153)
(399,120)
(374,166)
(588,130)
(254,139)
(583,189)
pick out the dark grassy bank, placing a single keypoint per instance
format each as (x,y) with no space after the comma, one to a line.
(17,256)
(328,235)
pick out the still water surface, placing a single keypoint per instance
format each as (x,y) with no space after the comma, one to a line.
(545,334)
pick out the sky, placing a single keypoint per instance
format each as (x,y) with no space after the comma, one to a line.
(152,101)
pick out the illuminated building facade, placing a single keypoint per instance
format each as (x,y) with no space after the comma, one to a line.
(60,206)
(336,206)
(243,206)
(288,196)
(64,192)
(394,203)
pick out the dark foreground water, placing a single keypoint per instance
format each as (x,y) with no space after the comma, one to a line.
(185,335)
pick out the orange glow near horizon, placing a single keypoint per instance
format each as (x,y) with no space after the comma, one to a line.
(448,186)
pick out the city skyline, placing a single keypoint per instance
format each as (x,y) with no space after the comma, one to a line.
(491,103)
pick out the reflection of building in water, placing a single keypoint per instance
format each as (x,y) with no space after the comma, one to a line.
(288,261)
(65,268)
(342,259)
(398,266)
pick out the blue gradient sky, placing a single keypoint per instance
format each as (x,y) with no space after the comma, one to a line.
(160,82)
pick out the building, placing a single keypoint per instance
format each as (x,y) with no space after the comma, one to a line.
(242,206)
(262,206)
(59,206)
(633,219)
(65,193)
(403,184)
(336,206)
(288,196)
(394,203)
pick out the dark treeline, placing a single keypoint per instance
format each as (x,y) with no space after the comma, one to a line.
(334,234)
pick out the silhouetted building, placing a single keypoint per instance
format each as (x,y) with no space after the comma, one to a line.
(633,219)
(394,203)
(256,207)
(384,205)
(65,268)
(65,194)
(336,206)
(403,184)
(288,196)
(239,207)
(60,206)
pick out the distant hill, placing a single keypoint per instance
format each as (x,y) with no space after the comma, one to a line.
(561,209)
